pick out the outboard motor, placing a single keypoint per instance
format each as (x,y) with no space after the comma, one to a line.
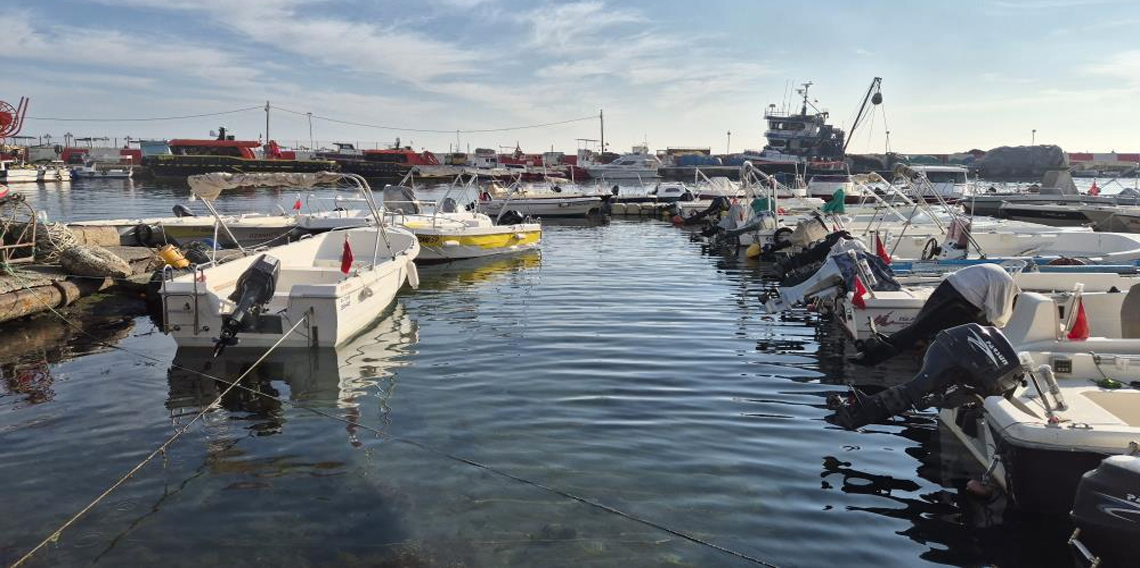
(817,253)
(1107,512)
(511,217)
(963,361)
(181,210)
(254,289)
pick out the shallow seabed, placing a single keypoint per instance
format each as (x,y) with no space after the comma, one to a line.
(624,363)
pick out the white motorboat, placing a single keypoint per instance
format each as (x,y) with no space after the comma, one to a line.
(496,200)
(636,165)
(936,182)
(244,230)
(318,292)
(11,172)
(95,170)
(446,232)
(54,171)
(1116,218)
(1037,404)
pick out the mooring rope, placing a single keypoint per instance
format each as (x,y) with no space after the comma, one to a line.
(54,536)
(491,469)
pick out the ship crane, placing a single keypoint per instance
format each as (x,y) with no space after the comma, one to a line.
(873,96)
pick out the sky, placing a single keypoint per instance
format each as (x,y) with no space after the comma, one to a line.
(955,75)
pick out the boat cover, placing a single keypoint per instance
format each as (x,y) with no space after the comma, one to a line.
(210,186)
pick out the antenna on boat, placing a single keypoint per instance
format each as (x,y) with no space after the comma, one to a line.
(267,122)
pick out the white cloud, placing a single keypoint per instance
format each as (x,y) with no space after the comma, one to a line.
(571,27)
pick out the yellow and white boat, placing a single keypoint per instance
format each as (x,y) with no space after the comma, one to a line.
(446,231)
(465,234)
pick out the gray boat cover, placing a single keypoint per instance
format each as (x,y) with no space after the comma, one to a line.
(210,186)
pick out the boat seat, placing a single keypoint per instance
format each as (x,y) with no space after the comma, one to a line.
(1034,319)
(1130,314)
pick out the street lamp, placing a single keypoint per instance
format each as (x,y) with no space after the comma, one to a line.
(310,115)
(728,145)
(1033,138)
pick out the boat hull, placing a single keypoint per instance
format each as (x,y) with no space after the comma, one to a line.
(178,166)
(437,247)
(1043,480)
(537,207)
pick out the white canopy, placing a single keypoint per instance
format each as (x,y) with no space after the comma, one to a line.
(210,186)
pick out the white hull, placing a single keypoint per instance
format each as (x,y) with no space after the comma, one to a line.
(544,207)
(19,176)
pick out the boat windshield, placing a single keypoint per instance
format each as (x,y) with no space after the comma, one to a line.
(946,177)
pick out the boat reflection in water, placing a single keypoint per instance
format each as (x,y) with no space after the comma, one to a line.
(336,381)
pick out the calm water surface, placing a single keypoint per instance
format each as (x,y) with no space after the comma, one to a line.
(624,363)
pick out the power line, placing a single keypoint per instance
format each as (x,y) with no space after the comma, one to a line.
(435,130)
(149,119)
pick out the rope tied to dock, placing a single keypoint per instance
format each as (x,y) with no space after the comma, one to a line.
(230,385)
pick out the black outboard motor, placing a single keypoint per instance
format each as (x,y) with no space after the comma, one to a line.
(254,289)
(181,210)
(511,217)
(817,253)
(966,360)
(1107,513)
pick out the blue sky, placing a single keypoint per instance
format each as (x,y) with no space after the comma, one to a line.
(956,75)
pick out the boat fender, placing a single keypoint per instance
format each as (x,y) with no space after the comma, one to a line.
(143,234)
(181,210)
(413,274)
(677,220)
(753,251)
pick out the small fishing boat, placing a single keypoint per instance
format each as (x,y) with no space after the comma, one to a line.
(249,230)
(315,292)
(1052,214)
(11,172)
(95,170)
(1037,404)
(636,165)
(53,171)
(446,231)
(496,200)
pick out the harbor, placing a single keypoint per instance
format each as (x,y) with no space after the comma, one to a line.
(482,284)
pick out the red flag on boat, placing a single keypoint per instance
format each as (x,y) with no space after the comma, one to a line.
(1094,190)
(1080,329)
(297,204)
(881,250)
(857,297)
(346,257)
(3,191)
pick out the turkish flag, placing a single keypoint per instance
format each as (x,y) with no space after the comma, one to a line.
(297,204)
(1080,329)
(881,250)
(346,257)
(857,297)
(1094,190)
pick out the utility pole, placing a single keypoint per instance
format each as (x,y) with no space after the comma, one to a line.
(310,115)
(728,145)
(602,121)
(266,122)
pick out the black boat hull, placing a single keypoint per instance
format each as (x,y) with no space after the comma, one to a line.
(371,170)
(180,167)
(1041,480)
